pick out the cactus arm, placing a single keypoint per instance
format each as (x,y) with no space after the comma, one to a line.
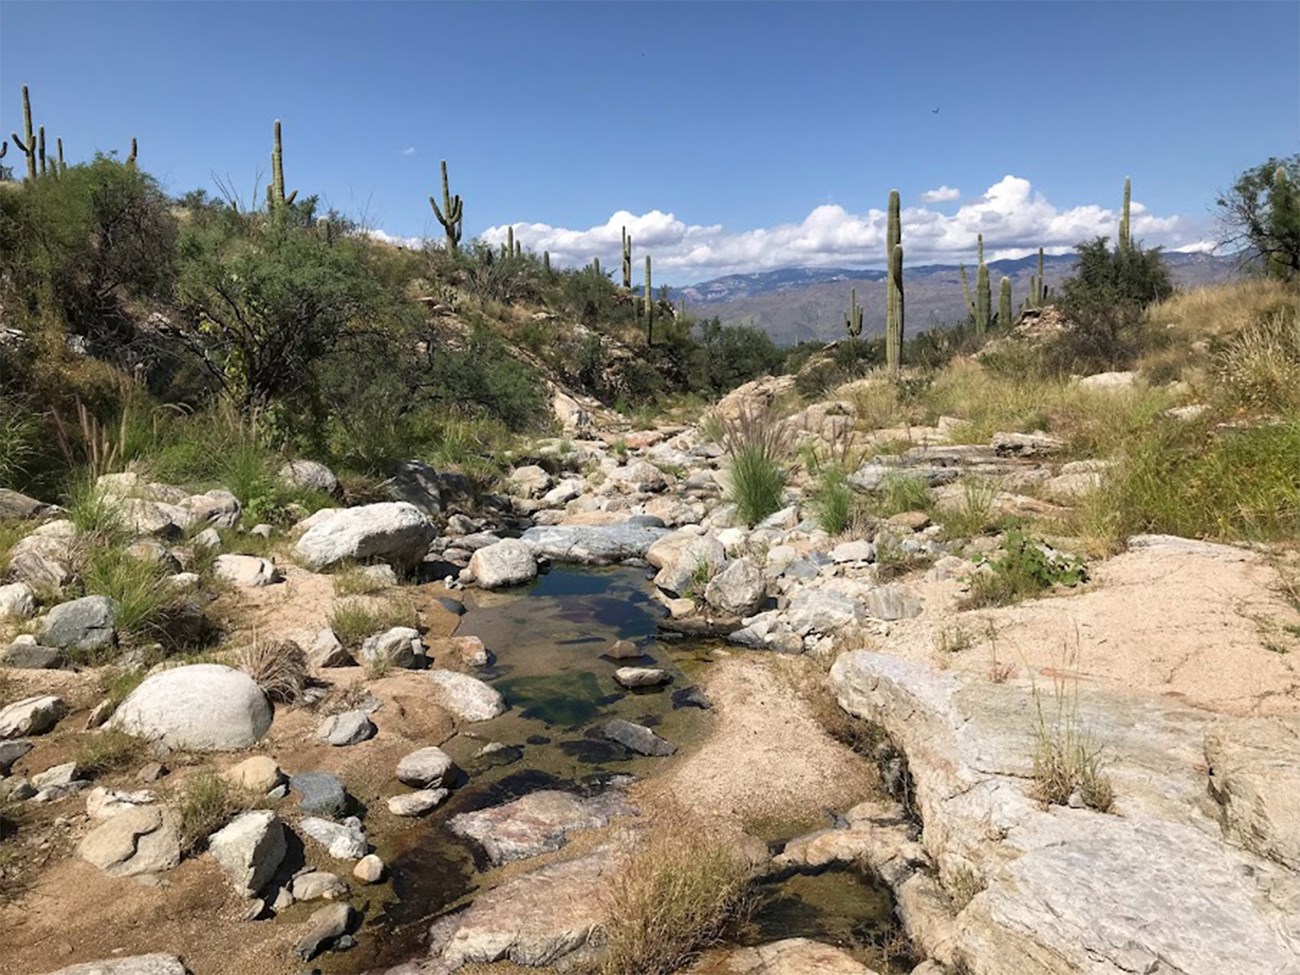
(1004,303)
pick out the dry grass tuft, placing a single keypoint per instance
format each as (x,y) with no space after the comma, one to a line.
(681,888)
(278,666)
(206,802)
(109,750)
(1068,764)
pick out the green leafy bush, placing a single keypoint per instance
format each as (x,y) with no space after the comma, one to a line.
(1025,568)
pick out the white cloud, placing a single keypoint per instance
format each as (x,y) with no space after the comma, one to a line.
(409,151)
(1014,219)
(944,194)
(412,243)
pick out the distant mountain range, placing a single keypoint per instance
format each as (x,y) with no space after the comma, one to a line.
(794,304)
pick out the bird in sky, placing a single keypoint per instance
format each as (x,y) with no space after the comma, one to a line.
(935,110)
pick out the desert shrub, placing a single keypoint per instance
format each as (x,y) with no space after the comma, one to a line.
(1104,302)
(144,596)
(832,500)
(725,357)
(757,444)
(679,889)
(278,666)
(79,246)
(973,514)
(1025,568)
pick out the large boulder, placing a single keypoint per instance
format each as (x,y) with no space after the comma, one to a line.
(395,531)
(138,840)
(508,562)
(15,506)
(250,849)
(81,626)
(465,697)
(200,707)
(593,544)
(415,482)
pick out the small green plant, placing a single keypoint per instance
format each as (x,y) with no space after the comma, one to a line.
(832,500)
(952,640)
(108,750)
(757,444)
(1025,568)
(205,803)
(1068,763)
(115,683)
(96,515)
(352,620)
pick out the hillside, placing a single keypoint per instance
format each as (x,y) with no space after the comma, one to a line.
(797,304)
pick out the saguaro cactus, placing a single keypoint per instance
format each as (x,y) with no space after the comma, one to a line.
(130,159)
(853,317)
(1004,303)
(965,293)
(508,248)
(627,259)
(28,145)
(1281,206)
(894,284)
(1125,238)
(983,293)
(41,150)
(451,214)
(649,306)
(894,326)
(546,262)
(61,167)
(275,192)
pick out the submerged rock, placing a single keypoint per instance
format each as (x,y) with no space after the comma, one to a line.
(638,738)
(540,822)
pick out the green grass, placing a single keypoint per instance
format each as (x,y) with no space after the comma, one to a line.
(205,803)
(973,514)
(109,750)
(1066,757)
(900,492)
(832,500)
(1196,481)
(115,683)
(757,482)
(352,620)
(352,580)
(140,588)
(95,515)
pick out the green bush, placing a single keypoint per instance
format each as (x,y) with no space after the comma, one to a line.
(757,445)
(832,500)
(1025,568)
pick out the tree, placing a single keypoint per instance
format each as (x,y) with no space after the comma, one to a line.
(1260,217)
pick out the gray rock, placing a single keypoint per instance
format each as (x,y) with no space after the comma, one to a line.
(738,590)
(157,964)
(200,707)
(624,650)
(855,551)
(327,651)
(467,698)
(822,611)
(641,676)
(136,841)
(81,626)
(19,507)
(398,647)
(318,885)
(1255,776)
(638,738)
(592,544)
(57,775)
(16,788)
(31,656)
(417,484)
(311,475)
(38,569)
(31,716)
(529,481)
(325,927)
(417,803)
(17,601)
(682,557)
(11,751)
(322,793)
(397,532)
(892,603)
(426,768)
(508,562)
(343,841)
(209,538)
(247,571)
(348,728)
(218,508)
(250,849)
(538,823)
(872,476)
(1025,445)
(154,552)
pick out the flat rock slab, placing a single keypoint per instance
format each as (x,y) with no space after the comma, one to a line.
(137,841)
(1152,887)
(592,544)
(1255,776)
(536,919)
(540,822)
(136,965)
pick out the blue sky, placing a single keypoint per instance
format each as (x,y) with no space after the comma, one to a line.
(733,136)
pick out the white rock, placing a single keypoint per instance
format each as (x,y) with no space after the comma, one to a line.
(17,602)
(508,562)
(200,707)
(395,531)
(424,768)
(416,803)
(398,647)
(467,698)
(247,571)
(31,716)
(343,841)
